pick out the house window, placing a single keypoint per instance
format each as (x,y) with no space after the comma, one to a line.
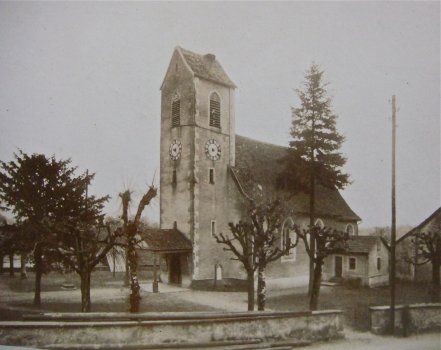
(174,178)
(352,263)
(215,111)
(211,176)
(378,264)
(176,111)
(213,227)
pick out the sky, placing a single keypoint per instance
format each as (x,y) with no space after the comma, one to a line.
(81,80)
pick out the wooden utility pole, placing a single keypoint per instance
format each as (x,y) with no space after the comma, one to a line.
(393,228)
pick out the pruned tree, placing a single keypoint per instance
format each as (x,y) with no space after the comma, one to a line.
(327,241)
(80,248)
(428,246)
(254,244)
(43,192)
(130,230)
(314,156)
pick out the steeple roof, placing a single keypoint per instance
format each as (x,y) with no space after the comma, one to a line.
(206,67)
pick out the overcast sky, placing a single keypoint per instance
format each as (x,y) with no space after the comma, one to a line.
(81,81)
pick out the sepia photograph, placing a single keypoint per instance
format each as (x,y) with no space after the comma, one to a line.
(220,175)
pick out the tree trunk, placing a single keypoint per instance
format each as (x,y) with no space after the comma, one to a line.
(23,273)
(311,230)
(11,265)
(250,289)
(261,289)
(135,297)
(86,304)
(38,265)
(313,301)
(126,275)
(436,264)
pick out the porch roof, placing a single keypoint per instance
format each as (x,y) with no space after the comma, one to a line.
(166,240)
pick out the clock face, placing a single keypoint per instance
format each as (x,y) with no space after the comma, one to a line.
(175,149)
(213,150)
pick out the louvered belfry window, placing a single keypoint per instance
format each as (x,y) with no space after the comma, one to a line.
(176,112)
(215,111)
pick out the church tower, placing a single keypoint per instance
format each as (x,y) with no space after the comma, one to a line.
(197,151)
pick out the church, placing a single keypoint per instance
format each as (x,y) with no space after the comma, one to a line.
(208,173)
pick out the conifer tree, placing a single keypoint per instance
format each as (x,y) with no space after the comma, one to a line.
(314,154)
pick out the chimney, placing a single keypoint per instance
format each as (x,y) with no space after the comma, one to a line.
(175,225)
(210,57)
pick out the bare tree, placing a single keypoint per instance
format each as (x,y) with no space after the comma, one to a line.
(254,245)
(81,247)
(428,245)
(130,229)
(327,241)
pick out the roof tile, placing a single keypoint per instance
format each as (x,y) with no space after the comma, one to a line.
(207,67)
(257,168)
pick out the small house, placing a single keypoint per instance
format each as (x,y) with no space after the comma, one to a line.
(366,259)
(411,266)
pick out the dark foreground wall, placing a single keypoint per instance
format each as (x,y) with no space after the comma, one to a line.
(147,329)
(408,319)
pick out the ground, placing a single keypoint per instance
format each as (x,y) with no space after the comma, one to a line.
(108,294)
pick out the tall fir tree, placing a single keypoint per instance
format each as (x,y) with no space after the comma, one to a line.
(314,156)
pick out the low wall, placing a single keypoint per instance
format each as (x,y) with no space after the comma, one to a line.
(171,328)
(378,280)
(408,318)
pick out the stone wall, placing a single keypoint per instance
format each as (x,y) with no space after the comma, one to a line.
(163,328)
(408,319)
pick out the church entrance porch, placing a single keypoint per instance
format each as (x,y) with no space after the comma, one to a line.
(172,251)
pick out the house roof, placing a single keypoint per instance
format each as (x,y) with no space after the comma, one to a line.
(257,168)
(361,244)
(206,67)
(166,240)
(432,223)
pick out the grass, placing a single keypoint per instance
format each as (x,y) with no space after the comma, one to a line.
(354,301)
(23,294)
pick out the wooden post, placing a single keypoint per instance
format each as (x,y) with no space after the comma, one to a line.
(393,228)
(155,275)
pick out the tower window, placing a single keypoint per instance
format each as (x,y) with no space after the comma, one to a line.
(174,178)
(215,111)
(378,264)
(176,112)
(350,229)
(211,176)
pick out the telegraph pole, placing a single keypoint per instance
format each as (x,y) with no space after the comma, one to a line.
(393,228)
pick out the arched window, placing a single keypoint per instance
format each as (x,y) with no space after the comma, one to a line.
(176,111)
(288,236)
(319,223)
(215,110)
(350,229)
